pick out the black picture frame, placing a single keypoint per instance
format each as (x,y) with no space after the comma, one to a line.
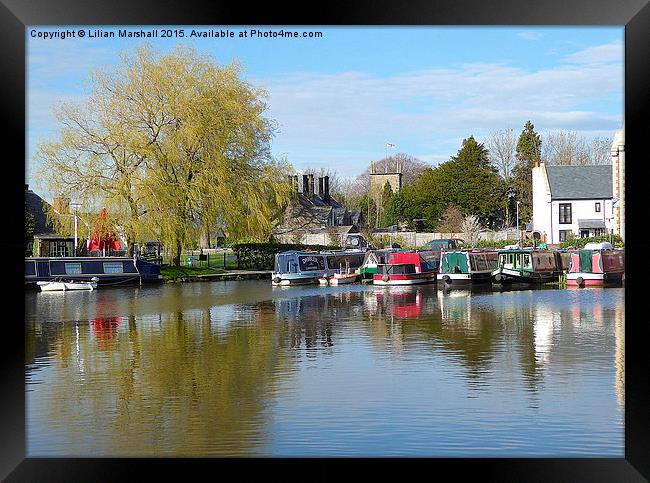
(634,14)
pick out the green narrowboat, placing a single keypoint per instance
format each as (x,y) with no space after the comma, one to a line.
(461,267)
(521,265)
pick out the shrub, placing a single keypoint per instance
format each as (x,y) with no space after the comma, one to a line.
(616,240)
(261,256)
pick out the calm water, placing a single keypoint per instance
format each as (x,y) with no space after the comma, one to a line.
(241,368)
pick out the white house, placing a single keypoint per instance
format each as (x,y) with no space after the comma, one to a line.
(572,199)
(618,178)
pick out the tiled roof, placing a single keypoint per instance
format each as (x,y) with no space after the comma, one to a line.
(580,182)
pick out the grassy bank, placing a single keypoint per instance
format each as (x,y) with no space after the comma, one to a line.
(170,272)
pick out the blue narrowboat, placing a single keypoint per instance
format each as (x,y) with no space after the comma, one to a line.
(107,270)
(302,267)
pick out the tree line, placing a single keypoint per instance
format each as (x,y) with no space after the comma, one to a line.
(484,180)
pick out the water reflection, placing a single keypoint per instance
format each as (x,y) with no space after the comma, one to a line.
(196,370)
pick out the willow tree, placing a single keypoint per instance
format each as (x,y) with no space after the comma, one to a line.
(178,144)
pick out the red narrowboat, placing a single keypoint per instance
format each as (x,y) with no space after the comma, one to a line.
(404,268)
(597,264)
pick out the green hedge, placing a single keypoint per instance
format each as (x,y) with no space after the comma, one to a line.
(616,240)
(261,256)
(501,243)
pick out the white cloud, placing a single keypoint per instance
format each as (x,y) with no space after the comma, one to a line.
(340,109)
(341,120)
(612,52)
(530,35)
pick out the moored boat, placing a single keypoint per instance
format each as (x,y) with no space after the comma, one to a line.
(344,278)
(404,268)
(597,264)
(462,267)
(106,270)
(62,285)
(298,268)
(522,265)
(372,259)
(304,267)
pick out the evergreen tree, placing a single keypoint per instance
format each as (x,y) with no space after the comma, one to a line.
(468,180)
(529,149)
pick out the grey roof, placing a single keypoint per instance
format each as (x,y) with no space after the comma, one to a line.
(580,182)
(37,206)
(595,223)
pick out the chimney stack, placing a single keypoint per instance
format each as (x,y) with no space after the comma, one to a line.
(311,185)
(321,192)
(305,185)
(326,188)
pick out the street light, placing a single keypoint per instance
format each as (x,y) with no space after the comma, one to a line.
(518,230)
(75,206)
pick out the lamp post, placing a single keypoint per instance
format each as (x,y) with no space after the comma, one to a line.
(75,206)
(518,230)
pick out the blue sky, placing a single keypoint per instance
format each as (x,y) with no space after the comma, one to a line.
(338,99)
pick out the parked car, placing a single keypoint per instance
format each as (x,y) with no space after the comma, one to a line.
(446,244)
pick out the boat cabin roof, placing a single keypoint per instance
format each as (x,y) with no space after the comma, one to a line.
(297,252)
(599,246)
(524,250)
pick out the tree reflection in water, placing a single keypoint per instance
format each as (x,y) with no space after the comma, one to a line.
(201,381)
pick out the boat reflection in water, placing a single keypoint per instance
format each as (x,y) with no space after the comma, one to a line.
(241,369)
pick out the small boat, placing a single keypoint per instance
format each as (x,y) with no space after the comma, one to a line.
(526,265)
(61,285)
(404,268)
(344,275)
(597,264)
(462,267)
(344,278)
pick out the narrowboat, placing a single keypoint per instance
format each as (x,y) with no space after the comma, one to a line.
(462,267)
(298,268)
(404,268)
(106,271)
(522,265)
(597,264)
(562,259)
(303,267)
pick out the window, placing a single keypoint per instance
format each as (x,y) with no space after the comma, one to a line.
(564,234)
(71,268)
(58,248)
(597,207)
(565,213)
(113,267)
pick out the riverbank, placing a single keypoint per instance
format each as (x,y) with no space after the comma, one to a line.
(206,274)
